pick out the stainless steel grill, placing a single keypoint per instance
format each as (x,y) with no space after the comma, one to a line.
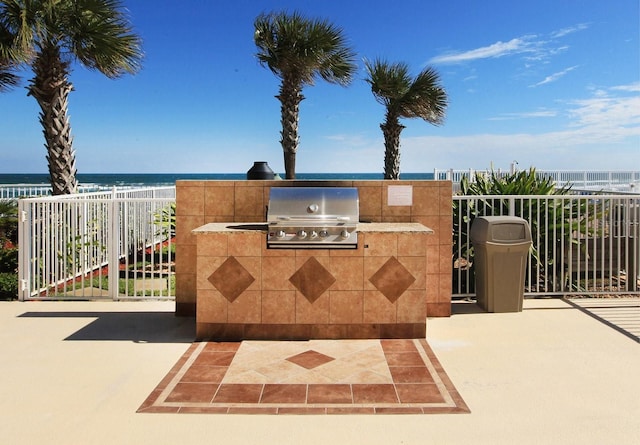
(313,217)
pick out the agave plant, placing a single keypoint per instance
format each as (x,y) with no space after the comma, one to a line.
(554,222)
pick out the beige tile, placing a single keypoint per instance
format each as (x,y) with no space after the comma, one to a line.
(247,308)
(212,307)
(186,260)
(246,244)
(380,244)
(276,272)
(312,313)
(426,200)
(445,259)
(346,306)
(249,201)
(412,244)
(186,288)
(189,200)
(444,288)
(377,308)
(184,225)
(348,271)
(412,307)
(219,200)
(370,201)
(212,244)
(433,259)
(278,307)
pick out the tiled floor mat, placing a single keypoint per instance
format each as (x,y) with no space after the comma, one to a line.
(307,377)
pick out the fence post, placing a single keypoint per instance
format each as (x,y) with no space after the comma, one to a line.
(113,245)
(24,243)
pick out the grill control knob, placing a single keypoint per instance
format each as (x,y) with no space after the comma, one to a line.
(313,234)
(344,234)
(302,234)
(280,234)
(324,234)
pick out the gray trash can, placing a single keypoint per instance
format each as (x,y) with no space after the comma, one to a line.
(501,245)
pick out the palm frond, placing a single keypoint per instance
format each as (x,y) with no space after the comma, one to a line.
(292,45)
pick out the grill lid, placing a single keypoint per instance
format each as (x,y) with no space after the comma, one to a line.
(321,204)
(308,217)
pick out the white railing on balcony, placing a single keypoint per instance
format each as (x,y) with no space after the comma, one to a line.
(582,245)
(591,181)
(116,244)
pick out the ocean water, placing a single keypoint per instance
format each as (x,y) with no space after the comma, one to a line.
(160,179)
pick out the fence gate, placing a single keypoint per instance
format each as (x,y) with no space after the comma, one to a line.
(105,245)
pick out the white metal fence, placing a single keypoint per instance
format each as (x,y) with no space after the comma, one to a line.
(581,244)
(16,191)
(119,244)
(116,245)
(612,181)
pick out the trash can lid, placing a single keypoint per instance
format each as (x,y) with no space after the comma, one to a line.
(500,229)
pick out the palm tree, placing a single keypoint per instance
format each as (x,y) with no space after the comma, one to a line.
(8,61)
(300,50)
(54,34)
(404,97)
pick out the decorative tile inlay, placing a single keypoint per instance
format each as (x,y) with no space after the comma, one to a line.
(392,279)
(231,279)
(346,384)
(310,359)
(312,279)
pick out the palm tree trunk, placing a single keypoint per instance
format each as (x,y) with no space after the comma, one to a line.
(50,87)
(290,97)
(391,130)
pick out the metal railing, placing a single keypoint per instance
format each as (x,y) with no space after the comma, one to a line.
(581,244)
(612,181)
(116,245)
(16,191)
(119,244)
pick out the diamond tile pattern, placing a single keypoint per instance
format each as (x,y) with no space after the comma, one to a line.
(310,359)
(262,379)
(231,279)
(392,279)
(312,279)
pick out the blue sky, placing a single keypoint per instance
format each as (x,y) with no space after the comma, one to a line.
(553,84)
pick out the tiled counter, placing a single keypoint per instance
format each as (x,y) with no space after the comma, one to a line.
(246,291)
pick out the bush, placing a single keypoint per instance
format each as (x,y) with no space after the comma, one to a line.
(548,215)
(8,286)
(9,260)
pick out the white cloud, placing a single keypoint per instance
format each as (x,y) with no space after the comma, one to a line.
(555,76)
(534,47)
(570,30)
(604,133)
(525,115)
(498,49)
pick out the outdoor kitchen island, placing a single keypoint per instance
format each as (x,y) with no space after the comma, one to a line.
(247,290)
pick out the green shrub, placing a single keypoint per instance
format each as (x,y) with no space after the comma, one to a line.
(557,216)
(8,286)
(9,260)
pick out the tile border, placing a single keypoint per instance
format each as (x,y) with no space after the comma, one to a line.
(446,399)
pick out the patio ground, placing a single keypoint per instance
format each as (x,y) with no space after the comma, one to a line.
(76,372)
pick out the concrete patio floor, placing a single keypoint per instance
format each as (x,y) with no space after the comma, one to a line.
(76,372)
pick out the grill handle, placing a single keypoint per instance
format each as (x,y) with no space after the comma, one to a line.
(312,217)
